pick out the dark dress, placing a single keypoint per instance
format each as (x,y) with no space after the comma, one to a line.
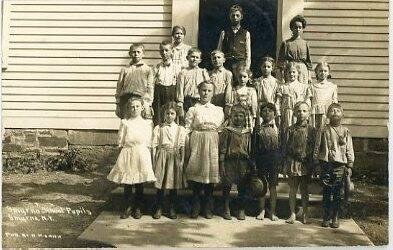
(235,150)
(267,152)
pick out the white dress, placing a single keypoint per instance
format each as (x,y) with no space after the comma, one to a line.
(134,164)
(180,54)
(203,122)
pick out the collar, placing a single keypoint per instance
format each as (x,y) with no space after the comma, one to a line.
(207,105)
(302,125)
(238,130)
(271,124)
(167,63)
(220,69)
(179,46)
(236,28)
(138,64)
(172,124)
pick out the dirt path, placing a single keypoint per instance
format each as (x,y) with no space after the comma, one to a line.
(51,209)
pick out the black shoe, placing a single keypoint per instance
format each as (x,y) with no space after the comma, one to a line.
(325,223)
(157,214)
(335,223)
(126,213)
(172,213)
(196,208)
(137,213)
(241,214)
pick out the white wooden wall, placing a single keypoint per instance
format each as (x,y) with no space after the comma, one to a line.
(63,57)
(352,35)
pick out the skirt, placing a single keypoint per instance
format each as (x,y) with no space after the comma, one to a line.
(202,166)
(133,166)
(236,171)
(168,170)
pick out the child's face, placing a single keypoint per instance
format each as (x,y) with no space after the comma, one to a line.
(217,60)
(242,78)
(178,36)
(302,112)
(135,108)
(206,93)
(335,115)
(166,52)
(292,74)
(322,72)
(235,17)
(194,59)
(136,54)
(170,115)
(267,114)
(266,68)
(297,29)
(239,119)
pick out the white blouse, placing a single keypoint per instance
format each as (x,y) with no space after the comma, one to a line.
(169,133)
(128,137)
(204,117)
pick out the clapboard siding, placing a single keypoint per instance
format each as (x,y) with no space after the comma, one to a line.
(64,57)
(353,37)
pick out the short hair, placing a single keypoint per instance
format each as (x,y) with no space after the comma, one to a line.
(171,105)
(335,105)
(193,50)
(270,106)
(137,45)
(135,97)
(243,68)
(236,7)
(206,83)
(322,64)
(238,108)
(166,43)
(297,105)
(178,27)
(290,65)
(298,18)
(217,51)
(267,59)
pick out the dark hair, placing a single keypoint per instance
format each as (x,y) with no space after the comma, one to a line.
(322,64)
(335,105)
(270,106)
(165,43)
(298,18)
(178,27)
(236,7)
(174,106)
(238,108)
(268,59)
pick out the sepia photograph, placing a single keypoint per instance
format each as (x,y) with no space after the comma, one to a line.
(194,123)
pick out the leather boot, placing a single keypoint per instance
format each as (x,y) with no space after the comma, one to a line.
(172,204)
(127,202)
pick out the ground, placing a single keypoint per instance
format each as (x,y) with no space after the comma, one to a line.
(51,209)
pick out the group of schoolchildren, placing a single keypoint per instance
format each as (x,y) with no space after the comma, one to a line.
(182,126)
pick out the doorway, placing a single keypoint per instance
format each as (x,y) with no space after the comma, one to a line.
(259,19)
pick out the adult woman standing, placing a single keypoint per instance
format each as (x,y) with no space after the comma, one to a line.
(202,122)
